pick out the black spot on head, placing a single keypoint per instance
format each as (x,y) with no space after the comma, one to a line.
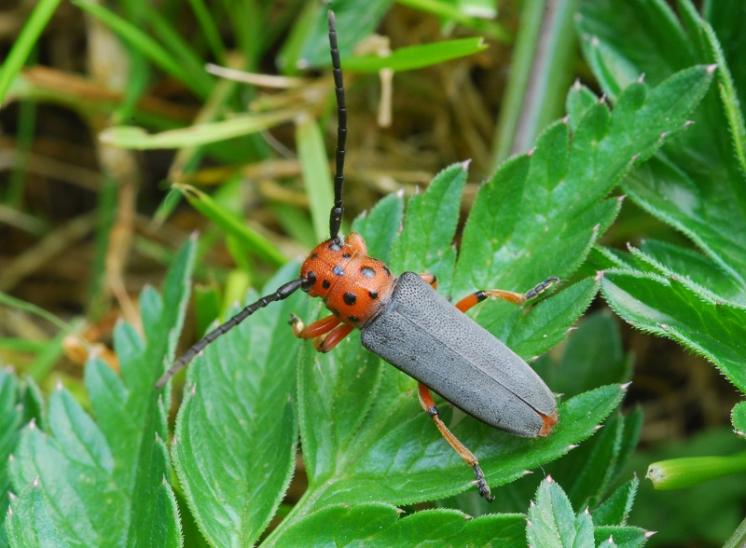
(346,255)
(373,294)
(353,319)
(325,284)
(338,271)
(314,256)
(368,272)
(309,280)
(349,298)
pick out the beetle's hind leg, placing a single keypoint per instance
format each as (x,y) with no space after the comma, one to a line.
(426,400)
(512,297)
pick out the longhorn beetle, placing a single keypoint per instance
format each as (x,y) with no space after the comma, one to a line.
(406,322)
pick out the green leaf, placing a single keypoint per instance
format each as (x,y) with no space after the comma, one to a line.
(700,273)
(316,175)
(247,238)
(552,522)
(108,474)
(382,224)
(668,308)
(615,509)
(587,471)
(738,418)
(416,57)
(380,525)
(236,429)
(24,42)
(424,245)
(199,134)
(592,355)
(11,417)
(308,43)
(613,536)
(531,208)
(697,183)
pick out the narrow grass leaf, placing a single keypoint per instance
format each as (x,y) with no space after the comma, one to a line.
(251,241)
(416,57)
(196,135)
(317,177)
(24,43)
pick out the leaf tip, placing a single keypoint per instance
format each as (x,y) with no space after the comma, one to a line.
(688,123)
(58,385)
(620,199)
(12,497)
(572,446)
(36,482)
(625,386)
(599,275)
(465,165)
(11,458)
(32,424)
(566,119)
(526,473)
(595,41)
(602,99)
(641,78)
(711,68)
(577,85)
(549,479)
(649,534)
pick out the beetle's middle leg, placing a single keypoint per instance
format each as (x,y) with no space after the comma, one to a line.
(512,297)
(426,400)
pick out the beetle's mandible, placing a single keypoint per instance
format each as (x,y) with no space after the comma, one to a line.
(406,322)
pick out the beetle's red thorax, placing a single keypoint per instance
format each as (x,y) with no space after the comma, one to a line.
(352,284)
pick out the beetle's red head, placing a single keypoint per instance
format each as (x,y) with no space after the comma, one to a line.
(325,265)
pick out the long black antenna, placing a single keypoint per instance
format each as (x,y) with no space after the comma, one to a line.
(282,293)
(335,217)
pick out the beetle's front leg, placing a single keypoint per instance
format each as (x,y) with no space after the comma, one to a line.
(316,329)
(426,400)
(512,297)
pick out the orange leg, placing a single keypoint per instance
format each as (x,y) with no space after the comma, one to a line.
(427,403)
(430,279)
(516,298)
(334,337)
(316,329)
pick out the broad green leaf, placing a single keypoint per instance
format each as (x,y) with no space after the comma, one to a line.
(199,134)
(11,417)
(700,273)
(591,356)
(384,221)
(552,521)
(416,57)
(101,483)
(587,471)
(612,536)
(532,208)
(615,509)
(381,525)
(668,308)
(738,418)
(425,244)
(697,183)
(236,429)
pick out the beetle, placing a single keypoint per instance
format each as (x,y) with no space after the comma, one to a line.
(406,322)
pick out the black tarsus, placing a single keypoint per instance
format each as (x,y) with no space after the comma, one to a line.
(335,217)
(283,292)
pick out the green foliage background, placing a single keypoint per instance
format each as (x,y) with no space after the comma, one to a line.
(275,444)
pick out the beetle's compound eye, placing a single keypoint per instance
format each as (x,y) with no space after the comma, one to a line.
(309,280)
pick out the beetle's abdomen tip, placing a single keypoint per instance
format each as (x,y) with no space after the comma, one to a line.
(548,426)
